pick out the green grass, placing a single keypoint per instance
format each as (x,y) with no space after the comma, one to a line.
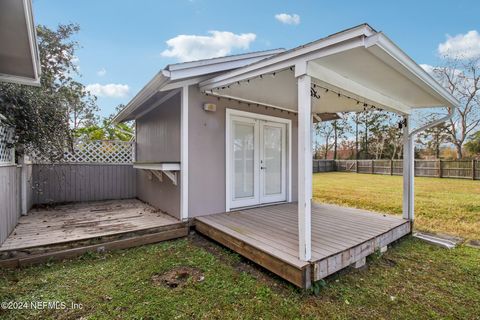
(413,280)
(450,206)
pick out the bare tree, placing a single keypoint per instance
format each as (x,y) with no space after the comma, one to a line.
(461,78)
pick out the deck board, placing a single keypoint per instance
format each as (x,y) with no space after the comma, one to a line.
(340,236)
(81,221)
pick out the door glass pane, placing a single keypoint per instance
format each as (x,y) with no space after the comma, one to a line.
(243,158)
(272,159)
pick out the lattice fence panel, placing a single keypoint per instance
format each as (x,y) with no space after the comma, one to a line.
(6,144)
(113,152)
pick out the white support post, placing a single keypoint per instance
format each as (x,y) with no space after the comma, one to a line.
(408,171)
(25,175)
(184,154)
(304,167)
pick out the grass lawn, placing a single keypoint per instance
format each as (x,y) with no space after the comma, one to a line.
(449,206)
(413,280)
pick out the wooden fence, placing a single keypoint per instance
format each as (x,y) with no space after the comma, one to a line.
(461,169)
(73,182)
(10,205)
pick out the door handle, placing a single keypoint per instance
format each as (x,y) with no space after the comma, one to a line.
(262,168)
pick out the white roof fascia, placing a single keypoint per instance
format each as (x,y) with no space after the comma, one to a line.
(275,65)
(290,55)
(208,66)
(401,57)
(143,95)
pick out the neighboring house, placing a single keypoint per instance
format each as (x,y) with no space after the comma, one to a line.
(19,56)
(230,133)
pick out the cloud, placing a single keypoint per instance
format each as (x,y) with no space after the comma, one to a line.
(288,18)
(217,44)
(427,67)
(101,72)
(111,90)
(462,45)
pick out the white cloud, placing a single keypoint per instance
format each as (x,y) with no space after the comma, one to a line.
(462,45)
(101,72)
(427,67)
(288,18)
(217,44)
(111,90)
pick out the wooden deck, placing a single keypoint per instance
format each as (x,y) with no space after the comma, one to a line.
(95,225)
(269,236)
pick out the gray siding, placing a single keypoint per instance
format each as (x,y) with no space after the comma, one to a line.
(9,199)
(158,133)
(162,195)
(158,140)
(207,151)
(82,182)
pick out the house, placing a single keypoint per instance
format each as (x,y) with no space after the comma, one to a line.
(19,56)
(226,142)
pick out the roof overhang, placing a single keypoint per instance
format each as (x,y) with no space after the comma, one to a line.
(350,69)
(167,82)
(19,56)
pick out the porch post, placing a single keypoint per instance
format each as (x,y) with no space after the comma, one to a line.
(184,153)
(408,171)
(305,164)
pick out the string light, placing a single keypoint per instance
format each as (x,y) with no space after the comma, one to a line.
(313,91)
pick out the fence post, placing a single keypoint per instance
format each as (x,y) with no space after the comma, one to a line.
(391,167)
(439,168)
(356,166)
(372,166)
(473,169)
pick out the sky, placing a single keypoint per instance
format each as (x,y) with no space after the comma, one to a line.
(125,43)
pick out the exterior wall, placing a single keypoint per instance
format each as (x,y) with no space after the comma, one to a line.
(207,151)
(158,133)
(82,182)
(158,140)
(9,199)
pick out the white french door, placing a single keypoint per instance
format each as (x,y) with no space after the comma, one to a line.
(256,161)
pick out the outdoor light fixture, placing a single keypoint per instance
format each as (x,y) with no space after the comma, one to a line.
(210,107)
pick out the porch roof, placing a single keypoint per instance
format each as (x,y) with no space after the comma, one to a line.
(350,70)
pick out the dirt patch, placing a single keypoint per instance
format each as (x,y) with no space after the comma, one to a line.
(178,277)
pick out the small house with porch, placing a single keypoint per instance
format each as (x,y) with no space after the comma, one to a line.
(227,143)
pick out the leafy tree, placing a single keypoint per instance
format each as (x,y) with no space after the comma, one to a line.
(473,145)
(433,138)
(45,117)
(341,128)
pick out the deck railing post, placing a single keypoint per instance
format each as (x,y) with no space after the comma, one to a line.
(304,162)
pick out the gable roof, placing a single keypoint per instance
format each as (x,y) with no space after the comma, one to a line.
(174,76)
(334,57)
